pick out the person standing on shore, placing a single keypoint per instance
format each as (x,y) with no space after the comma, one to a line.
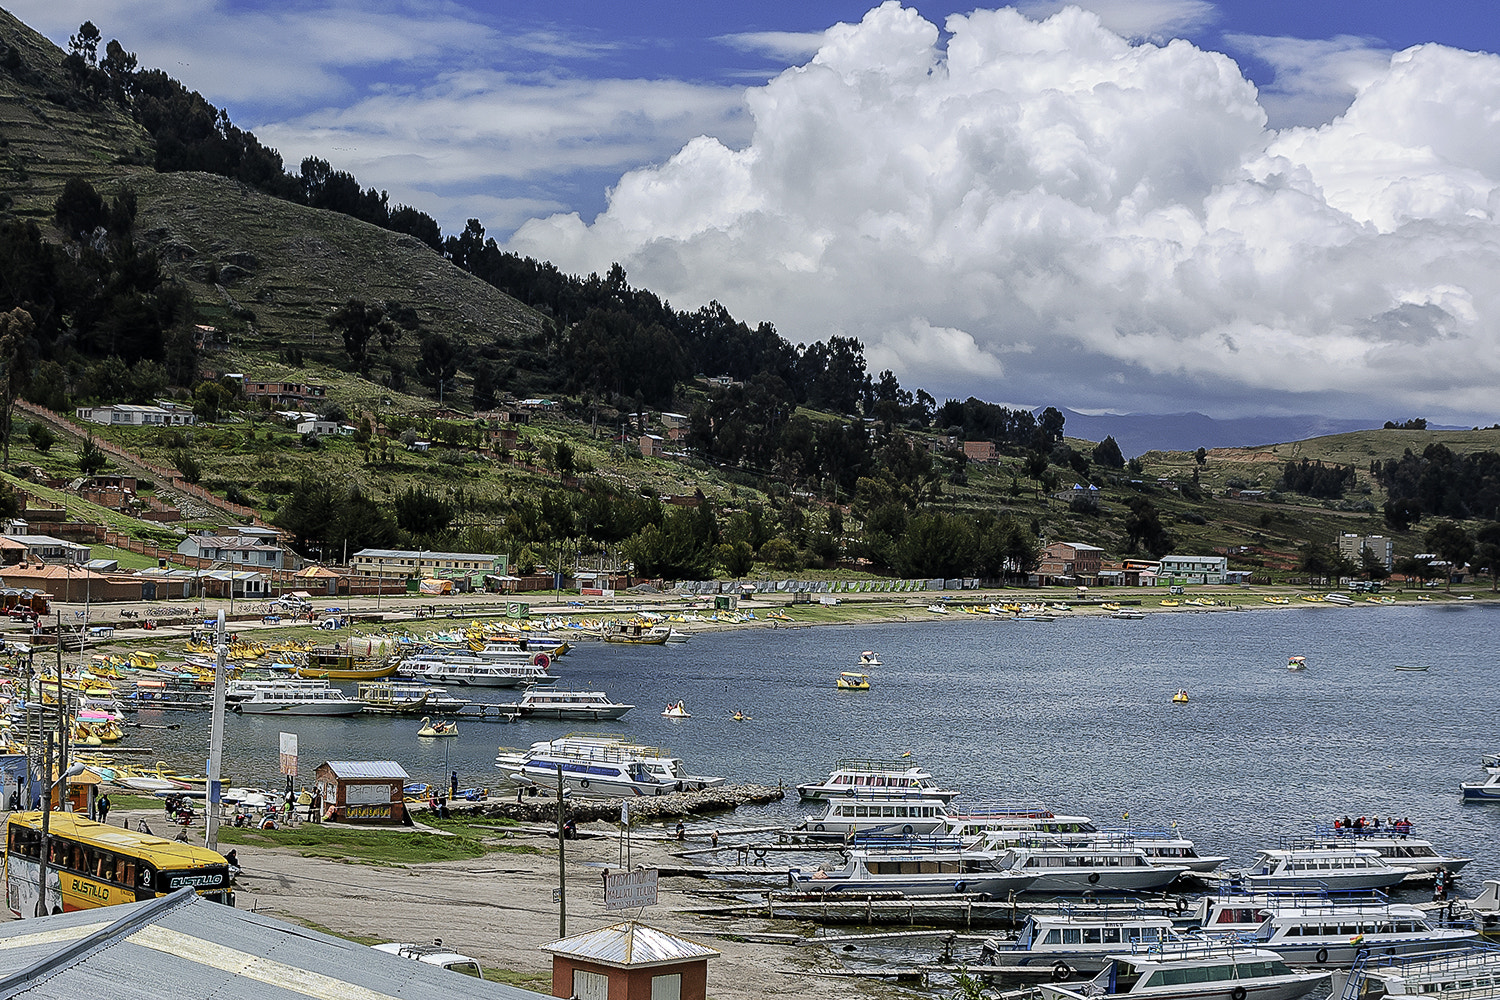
(102,807)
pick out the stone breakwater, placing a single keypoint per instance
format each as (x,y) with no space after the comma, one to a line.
(543,808)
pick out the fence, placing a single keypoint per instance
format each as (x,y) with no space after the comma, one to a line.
(171,477)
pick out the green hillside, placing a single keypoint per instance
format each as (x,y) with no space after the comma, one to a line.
(803,458)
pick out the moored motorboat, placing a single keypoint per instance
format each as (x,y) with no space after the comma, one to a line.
(871,814)
(579,706)
(601,766)
(289,697)
(1464,974)
(1193,970)
(1332,868)
(913,868)
(851,776)
(1078,940)
(1396,843)
(1337,934)
(1485,788)
(1061,867)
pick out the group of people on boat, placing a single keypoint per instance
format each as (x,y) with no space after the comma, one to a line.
(1368,827)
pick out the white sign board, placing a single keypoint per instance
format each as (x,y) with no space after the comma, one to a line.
(289,754)
(629,890)
(367,795)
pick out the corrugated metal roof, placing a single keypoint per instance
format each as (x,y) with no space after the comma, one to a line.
(186,946)
(630,944)
(367,769)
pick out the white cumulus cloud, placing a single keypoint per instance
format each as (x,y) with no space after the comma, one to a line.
(1045,210)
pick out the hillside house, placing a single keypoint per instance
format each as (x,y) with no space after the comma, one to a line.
(129,415)
(981,451)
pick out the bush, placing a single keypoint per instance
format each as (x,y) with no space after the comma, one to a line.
(42,438)
(188,466)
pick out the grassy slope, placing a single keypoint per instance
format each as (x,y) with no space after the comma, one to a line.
(288,267)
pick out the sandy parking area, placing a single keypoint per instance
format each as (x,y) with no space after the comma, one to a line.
(498,908)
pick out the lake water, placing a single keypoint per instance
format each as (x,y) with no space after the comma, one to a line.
(1076,714)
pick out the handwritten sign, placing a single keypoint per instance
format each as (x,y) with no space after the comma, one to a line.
(630,890)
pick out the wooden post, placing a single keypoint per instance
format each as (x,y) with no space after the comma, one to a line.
(562,870)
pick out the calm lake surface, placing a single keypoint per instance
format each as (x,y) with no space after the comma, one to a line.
(1075,714)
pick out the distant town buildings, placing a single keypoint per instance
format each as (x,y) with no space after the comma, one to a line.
(423,562)
(1070,562)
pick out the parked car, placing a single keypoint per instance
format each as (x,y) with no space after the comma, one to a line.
(434,954)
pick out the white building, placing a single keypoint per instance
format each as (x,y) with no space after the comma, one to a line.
(318,428)
(243,551)
(1352,546)
(129,415)
(1193,569)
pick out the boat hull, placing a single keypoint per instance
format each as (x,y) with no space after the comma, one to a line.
(1331,881)
(994,887)
(1341,951)
(1107,880)
(575,714)
(299,708)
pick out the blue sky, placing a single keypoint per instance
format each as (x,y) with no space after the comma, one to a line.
(1042,205)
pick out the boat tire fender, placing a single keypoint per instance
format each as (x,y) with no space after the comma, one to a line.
(658,790)
(701,786)
(1321,956)
(960,886)
(679,786)
(1060,972)
(851,793)
(906,830)
(1238,993)
(1181,905)
(583,783)
(1094,880)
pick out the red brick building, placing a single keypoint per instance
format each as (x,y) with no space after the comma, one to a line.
(629,961)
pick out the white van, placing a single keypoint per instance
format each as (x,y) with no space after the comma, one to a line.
(434,954)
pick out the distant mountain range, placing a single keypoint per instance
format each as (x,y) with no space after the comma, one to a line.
(1137,433)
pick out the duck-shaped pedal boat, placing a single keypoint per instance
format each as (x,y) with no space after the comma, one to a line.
(430,728)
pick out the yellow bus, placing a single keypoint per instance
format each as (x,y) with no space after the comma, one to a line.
(92,864)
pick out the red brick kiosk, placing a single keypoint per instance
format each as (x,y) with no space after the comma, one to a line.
(629,961)
(361,791)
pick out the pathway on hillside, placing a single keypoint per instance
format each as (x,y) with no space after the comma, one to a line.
(195,502)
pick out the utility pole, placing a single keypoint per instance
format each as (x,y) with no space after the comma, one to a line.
(562,870)
(216,740)
(41,899)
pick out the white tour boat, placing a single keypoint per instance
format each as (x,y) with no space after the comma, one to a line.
(579,706)
(1063,868)
(471,672)
(1467,974)
(289,697)
(869,814)
(854,776)
(1077,940)
(933,868)
(975,821)
(1193,970)
(1396,845)
(1331,934)
(1332,868)
(601,766)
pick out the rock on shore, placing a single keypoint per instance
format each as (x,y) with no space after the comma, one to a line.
(543,808)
